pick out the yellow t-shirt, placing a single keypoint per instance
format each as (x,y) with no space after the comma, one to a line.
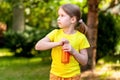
(78,42)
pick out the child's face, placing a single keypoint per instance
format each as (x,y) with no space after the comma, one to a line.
(64,20)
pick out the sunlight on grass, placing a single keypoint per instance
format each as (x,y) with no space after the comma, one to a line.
(35,59)
(19,68)
(5,52)
(107,68)
(117,49)
(110,69)
(36,68)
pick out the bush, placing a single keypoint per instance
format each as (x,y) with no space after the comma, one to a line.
(107,35)
(22,44)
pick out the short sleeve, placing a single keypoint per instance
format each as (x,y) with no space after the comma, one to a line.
(84,43)
(52,34)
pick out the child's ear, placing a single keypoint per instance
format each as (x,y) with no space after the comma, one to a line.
(73,19)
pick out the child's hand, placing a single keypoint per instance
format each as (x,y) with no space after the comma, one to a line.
(66,46)
(63,41)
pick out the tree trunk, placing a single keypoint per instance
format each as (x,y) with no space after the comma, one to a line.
(92,22)
(18,16)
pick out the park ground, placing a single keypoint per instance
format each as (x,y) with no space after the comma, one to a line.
(19,68)
(109,70)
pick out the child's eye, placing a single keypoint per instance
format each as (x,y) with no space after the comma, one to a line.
(62,15)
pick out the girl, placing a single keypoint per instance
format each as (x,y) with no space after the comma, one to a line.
(69,38)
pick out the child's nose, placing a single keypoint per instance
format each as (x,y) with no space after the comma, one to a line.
(58,19)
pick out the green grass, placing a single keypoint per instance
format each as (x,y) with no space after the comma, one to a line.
(12,68)
(5,52)
(19,68)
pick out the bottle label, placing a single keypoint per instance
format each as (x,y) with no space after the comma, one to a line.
(65,57)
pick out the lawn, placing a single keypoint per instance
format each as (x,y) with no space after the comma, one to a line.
(107,68)
(19,68)
(12,68)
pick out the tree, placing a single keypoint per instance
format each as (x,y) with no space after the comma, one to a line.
(18,16)
(92,22)
(112,4)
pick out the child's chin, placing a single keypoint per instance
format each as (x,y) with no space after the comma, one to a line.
(59,26)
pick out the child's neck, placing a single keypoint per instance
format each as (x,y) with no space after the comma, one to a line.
(69,31)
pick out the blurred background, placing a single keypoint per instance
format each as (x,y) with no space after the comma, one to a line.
(24,22)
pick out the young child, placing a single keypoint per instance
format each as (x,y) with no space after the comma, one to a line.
(69,38)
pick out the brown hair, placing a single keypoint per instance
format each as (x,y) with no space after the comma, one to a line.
(74,10)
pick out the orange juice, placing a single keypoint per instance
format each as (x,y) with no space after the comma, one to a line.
(65,57)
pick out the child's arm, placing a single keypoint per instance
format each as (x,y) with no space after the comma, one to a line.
(45,44)
(81,57)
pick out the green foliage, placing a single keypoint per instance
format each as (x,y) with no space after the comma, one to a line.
(117,18)
(22,44)
(38,13)
(41,14)
(107,35)
(5,12)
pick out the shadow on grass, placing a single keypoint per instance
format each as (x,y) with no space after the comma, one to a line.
(115,67)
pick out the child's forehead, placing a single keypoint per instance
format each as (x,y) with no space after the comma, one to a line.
(60,10)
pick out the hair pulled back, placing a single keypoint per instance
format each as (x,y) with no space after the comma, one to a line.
(74,10)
